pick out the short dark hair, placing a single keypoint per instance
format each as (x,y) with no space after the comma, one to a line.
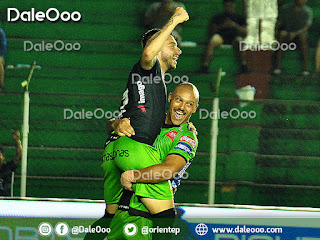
(145,38)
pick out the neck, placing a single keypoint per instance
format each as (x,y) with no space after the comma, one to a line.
(163,66)
(169,122)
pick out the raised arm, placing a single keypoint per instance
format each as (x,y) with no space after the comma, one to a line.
(156,43)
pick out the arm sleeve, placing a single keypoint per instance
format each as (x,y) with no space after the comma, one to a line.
(185,145)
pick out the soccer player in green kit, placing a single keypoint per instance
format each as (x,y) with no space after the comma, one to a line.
(177,145)
(145,105)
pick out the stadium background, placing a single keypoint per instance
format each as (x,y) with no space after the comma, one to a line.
(273,159)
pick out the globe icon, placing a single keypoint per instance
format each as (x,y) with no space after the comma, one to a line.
(201,229)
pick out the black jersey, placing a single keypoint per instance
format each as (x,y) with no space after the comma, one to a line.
(144,102)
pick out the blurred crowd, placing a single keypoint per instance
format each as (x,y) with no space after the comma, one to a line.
(259,22)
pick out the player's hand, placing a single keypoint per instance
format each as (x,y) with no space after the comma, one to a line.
(16,135)
(127,178)
(180,15)
(192,128)
(124,128)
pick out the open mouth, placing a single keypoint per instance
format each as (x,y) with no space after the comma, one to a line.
(179,114)
(175,59)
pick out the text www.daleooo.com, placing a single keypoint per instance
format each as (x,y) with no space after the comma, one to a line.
(244,229)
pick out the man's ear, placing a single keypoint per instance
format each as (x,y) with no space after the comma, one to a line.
(169,98)
(195,109)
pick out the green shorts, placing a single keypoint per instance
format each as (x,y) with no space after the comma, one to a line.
(135,230)
(126,154)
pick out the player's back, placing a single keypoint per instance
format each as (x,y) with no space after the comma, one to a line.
(144,102)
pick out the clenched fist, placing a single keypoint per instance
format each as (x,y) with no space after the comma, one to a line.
(180,15)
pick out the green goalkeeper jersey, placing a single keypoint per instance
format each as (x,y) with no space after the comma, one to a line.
(177,140)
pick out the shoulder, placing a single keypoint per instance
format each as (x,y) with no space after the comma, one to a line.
(137,68)
(184,143)
(186,135)
(171,133)
(190,140)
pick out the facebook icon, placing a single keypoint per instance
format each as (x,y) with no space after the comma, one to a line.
(62,229)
